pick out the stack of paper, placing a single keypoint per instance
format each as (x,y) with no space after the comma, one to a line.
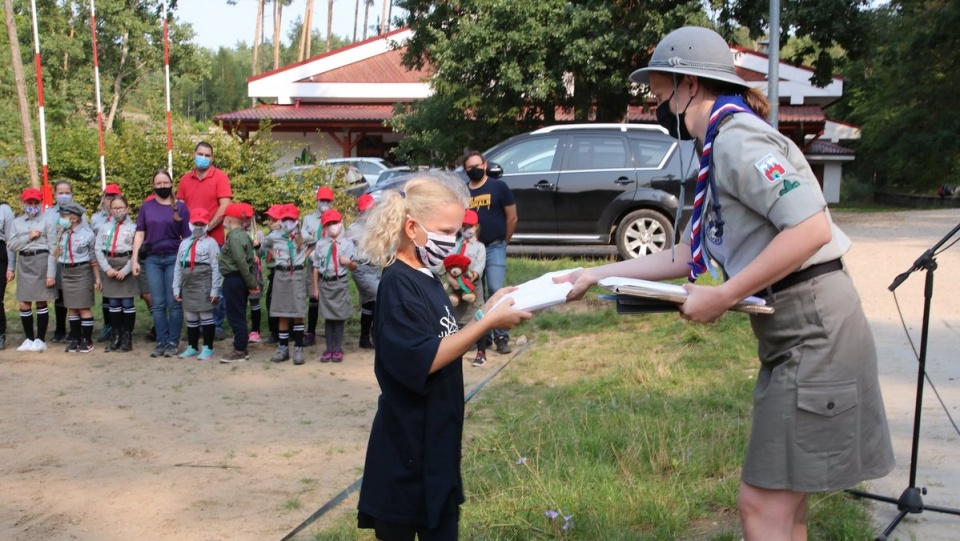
(672,293)
(540,293)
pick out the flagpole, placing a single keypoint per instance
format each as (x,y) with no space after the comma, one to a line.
(96,86)
(47,195)
(166,73)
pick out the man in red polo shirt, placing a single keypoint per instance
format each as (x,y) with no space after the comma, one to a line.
(206,187)
(209,188)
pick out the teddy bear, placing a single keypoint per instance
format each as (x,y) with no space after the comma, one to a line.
(459,283)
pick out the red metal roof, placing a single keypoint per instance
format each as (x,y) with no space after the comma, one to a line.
(311,112)
(383,68)
(826,147)
(328,53)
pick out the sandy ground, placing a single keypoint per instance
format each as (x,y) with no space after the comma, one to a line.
(107,447)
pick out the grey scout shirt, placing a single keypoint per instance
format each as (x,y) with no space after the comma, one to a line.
(765,185)
(116,240)
(208,253)
(76,245)
(20,241)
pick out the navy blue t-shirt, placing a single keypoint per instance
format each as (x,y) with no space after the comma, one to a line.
(412,470)
(489,200)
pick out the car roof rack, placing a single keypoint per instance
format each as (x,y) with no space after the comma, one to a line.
(621,127)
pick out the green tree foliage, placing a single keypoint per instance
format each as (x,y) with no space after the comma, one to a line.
(823,25)
(509,65)
(902,92)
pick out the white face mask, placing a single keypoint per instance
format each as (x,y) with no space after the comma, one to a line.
(323,206)
(199,231)
(288,226)
(334,229)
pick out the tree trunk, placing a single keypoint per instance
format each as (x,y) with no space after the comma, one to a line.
(256,43)
(329,24)
(118,82)
(25,124)
(304,28)
(308,31)
(366,17)
(277,17)
(384,24)
(356,19)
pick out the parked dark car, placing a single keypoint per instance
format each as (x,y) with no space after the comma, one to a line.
(595,184)
(356,183)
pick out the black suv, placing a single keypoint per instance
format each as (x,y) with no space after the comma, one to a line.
(597,184)
(593,184)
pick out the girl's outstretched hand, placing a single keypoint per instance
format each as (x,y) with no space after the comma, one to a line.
(503,316)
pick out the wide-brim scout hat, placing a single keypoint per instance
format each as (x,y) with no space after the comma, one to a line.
(692,50)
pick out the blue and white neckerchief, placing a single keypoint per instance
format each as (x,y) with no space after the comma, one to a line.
(722,108)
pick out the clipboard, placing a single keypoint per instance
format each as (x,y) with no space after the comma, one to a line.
(642,296)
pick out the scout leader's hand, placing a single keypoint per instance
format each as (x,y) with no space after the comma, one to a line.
(504,316)
(582,280)
(705,304)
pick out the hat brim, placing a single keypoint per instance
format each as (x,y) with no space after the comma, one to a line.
(642,75)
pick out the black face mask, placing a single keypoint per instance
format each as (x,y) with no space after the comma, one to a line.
(476,174)
(163,193)
(669,121)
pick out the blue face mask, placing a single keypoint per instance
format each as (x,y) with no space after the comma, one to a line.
(64,198)
(64,223)
(202,162)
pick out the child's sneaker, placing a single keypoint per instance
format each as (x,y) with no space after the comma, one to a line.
(38,346)
(282,354)
(72,346)
(205,353)
(298,355)
(27,345)
(235,356)
(189,352)
(326,357)
(85,346)
(309,339)
(336,356)
(253,337)
(481,358)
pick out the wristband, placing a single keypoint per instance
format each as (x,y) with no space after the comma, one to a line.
(479,315)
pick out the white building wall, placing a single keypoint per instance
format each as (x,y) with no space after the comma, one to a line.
(831,181)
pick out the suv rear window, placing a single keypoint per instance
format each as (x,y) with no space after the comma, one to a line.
(649,153)
(531,156)
(597,152)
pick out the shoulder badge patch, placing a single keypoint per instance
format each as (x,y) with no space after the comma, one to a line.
(770,168)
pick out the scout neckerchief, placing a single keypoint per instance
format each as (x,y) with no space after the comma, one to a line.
(112,239)
(331,256)
(290,248)
(68,244)
(461,246)
(724,107)
(193,254)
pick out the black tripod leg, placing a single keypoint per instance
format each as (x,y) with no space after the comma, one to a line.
(892,526)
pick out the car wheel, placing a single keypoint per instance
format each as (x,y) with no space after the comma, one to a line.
(643,232)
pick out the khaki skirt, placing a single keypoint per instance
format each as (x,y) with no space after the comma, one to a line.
(32,279)
(335,300)
(195,288)
(818,417)
(77,285)
(120,289)
(289,294)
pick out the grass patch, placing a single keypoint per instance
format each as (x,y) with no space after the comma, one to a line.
(616,428)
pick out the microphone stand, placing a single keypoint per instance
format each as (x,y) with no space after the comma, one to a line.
(911,500)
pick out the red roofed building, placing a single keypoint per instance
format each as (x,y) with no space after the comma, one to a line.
(338,104)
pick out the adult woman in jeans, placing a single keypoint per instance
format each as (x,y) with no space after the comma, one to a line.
(161,224)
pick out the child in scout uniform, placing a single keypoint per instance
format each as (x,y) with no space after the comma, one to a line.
(79,274)
(97,221)
(312,231)
(290,251)
(256,238)
(62,193)
(366,275)
(113,248)
(470,246)
(31,247)
(239,272)
(273,224)
(6,232)
(196,284)
(332,258)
